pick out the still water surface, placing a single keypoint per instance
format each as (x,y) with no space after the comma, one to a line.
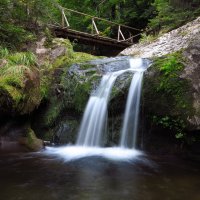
(28,176)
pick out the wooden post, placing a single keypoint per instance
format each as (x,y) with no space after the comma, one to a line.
(93,23)
(121,34)
(118,34)
(131,38)
(64,19)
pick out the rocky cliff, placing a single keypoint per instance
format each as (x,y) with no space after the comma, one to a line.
(171,94)
(170,42)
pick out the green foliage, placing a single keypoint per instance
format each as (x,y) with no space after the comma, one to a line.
(13,36)
(16,63)
(169,14)
(82,92)
(22,19)
(20,88)
(23,58)
(170,95)
(80,57)
(53,112)
(68,92)
(175,125)
(146,38)
(44,86)
(3,52)
(170,68)
(133,13)
(19,20)
(74,57)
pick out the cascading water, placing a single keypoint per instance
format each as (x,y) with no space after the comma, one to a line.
(95,117)
(130,123)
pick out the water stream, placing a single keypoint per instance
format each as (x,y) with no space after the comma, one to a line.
(89,171)
(95,115)
(26,176)
(130,122)
(94,122)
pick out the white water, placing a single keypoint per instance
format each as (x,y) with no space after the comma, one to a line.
(95,118)
(130,123)
(71,153)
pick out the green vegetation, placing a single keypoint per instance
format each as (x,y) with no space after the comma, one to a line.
(172,14)
(20,88)
(21,22)
(53,112)
(31,141)
(176,126)
(69,91)
(145,38)
(23,85)
(170,82)
(170,102)
(25,82)
(132,13)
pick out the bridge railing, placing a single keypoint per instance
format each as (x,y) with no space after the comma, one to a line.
(96,26)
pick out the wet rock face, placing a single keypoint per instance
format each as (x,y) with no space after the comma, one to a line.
(87,76)
(192,73)
(171,103)
(173,100)
(31,141)
(70,92)
(101,66)
(16,135)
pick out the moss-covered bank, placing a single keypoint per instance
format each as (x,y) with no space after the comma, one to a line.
(168,103)
(29,80)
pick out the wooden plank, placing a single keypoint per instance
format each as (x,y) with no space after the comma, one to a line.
(89,38)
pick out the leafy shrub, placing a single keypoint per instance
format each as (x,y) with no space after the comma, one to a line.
(175,125)
(169,15)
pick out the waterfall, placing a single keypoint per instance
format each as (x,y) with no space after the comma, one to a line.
(93,125)
(95,115)
(130,122)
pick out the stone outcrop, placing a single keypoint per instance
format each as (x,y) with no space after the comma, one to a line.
(192,73)
(58,47)
(170,42)
(184,40)
(71,89)
(31,141)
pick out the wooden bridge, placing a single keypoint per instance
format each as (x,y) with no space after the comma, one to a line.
(98,31)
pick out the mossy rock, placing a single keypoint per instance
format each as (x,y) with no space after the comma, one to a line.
(72,87)
(19,84)
(31,141)
(167,97)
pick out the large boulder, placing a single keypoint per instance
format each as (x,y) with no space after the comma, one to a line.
(16,135)
(25,76)
(61,117)
(192,73)
(170,115)
(30,141)
(171,96)
(173,41)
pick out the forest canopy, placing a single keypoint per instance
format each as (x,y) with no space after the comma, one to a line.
(21,20)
